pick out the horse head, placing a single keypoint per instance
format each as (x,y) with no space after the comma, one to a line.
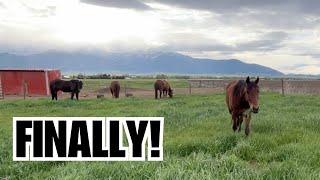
(252,94)
(170,93)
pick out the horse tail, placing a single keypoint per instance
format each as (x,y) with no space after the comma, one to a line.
(117,91)
(111,91)
(155,93)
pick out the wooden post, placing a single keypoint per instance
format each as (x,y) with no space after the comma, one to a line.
(200,84)
(189,88)
(282,87)
(125,90)
(1,89)
(25,85)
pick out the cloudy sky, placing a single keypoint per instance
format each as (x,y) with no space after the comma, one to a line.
(284,35)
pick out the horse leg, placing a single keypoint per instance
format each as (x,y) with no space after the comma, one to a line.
(160,94)
(111,92)
(234,121)
(72,94)
(77,95)
(156,94)
(247,119)
(55,95)
(240,122)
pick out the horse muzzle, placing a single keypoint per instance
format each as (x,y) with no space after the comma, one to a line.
(255,110)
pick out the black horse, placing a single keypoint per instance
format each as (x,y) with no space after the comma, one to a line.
(73,86)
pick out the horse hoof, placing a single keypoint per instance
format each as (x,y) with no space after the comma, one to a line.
(234,129)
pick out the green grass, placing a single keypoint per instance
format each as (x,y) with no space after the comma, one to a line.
(198,142)
(95,84)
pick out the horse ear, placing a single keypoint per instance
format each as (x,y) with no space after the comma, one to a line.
(257,80)
(248,79)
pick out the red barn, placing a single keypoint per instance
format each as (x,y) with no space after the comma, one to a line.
(36,81)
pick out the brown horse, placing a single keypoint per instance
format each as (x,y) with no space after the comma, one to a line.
(242,98)
(73,86)
(115,89)
(167,89)
(158,87)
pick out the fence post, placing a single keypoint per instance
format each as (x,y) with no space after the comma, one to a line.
(1,89)
(282,87)
(25,85)
(125,90)
(189,88)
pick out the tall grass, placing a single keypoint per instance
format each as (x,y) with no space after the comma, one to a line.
(198,144)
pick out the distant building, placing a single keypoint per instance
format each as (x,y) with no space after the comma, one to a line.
(36,81)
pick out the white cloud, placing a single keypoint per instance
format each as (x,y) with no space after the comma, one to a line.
(308,69)
(283,36)
(127,4)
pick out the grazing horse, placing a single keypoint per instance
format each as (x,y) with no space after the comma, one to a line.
(73,86)
(158,87)
(242,98)
(115,89)
(167,89)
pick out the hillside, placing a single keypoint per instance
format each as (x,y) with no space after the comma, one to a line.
(135,63)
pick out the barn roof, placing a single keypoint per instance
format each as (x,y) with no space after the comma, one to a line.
(29,70)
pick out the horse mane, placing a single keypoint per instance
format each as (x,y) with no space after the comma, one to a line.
(239,88)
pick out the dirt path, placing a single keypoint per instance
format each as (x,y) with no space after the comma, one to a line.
(136,92)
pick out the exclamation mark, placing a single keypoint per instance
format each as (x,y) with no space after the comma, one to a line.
(155,138)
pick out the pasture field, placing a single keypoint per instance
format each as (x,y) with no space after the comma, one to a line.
(94,84)
(198,140)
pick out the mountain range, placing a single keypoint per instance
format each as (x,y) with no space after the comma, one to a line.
(133,63)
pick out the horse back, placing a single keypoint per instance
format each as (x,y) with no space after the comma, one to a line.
(230,95)
(159,85)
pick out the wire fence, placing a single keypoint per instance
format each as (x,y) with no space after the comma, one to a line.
(193,86)
(284,86)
